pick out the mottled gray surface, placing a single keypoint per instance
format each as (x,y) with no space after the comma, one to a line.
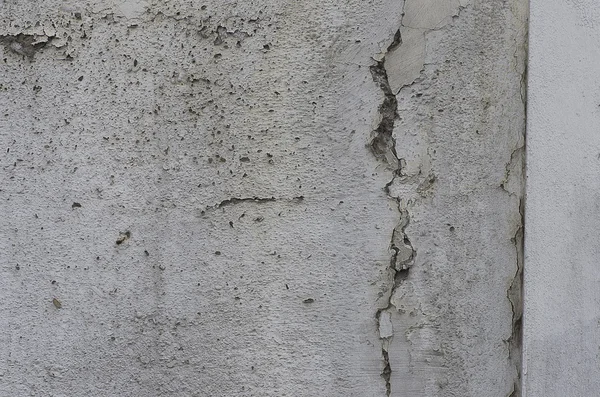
(192,206)
(455,306)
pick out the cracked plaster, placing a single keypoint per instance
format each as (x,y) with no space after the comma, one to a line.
(418,325)
(134,127)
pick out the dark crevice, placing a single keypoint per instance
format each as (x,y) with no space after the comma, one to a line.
(255,199)
(383,147)
(387,372)
(235,200)
(400,276)
(396,42)
(383,144)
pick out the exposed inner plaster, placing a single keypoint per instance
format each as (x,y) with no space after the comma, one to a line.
(383,146)
(399,67)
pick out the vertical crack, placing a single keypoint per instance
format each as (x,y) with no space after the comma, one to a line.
(403,255)
(383,146)
(387,372)
(514,295)
(515,291)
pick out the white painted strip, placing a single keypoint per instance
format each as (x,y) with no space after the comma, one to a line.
(562,227)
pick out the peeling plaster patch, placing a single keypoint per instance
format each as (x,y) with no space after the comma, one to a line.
(22,44)
(405,62)
(29,39)
(383,146)
(401,140)
(403,251)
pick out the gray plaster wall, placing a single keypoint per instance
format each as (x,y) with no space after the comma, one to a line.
(261,198)
(562,313)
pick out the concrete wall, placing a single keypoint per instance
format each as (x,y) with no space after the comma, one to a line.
(263,198)
(562,297)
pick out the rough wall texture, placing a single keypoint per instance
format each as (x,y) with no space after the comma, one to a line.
(452,325)
(261,198)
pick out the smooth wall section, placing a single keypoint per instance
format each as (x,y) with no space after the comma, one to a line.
(562,244)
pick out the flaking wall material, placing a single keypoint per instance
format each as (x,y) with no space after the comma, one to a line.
(260,198)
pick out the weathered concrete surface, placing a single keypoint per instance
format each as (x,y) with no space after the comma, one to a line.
(562,334)
(203,199)
(455,306)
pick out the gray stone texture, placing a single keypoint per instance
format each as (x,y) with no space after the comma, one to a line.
(261,198)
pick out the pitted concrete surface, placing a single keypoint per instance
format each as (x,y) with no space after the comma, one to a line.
(260,198)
